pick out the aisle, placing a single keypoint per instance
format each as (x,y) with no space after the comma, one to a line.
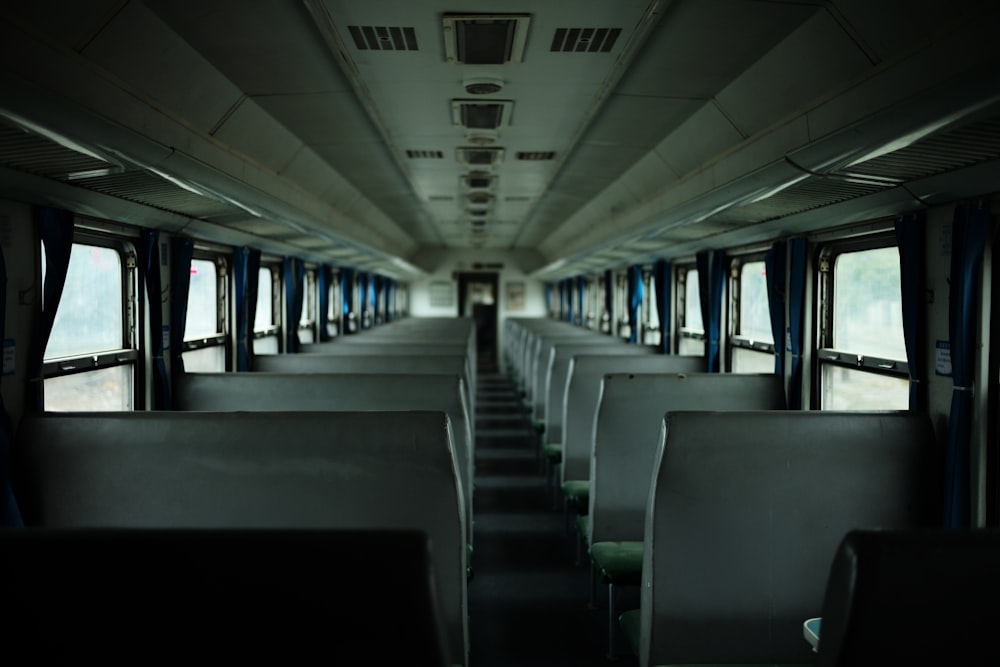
(527,599)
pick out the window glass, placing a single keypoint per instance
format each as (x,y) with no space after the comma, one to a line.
(203,300)
(752,361)
(851,389)
(91,311)
(867,307)
(264,318)
(105,389)
(692,302)
(211,359)
(755,319)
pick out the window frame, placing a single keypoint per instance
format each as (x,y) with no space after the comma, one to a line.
(735,338)
(221,337)
(133,325)
(825,352)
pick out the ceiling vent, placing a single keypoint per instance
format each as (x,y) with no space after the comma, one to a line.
(483,85)
(480,156)
(480,198)
(478,180)
(485,39)
(585,40)
(476,115)
(536,155)
(381,38)
(425,155)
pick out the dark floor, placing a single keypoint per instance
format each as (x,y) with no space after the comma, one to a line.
(528,599)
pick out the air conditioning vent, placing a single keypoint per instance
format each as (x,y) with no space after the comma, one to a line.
(485,39)
(585,40)
(478,180)
(428,155)
(381,38)
(480,156)
(480,198)
(475,115)
(536,155)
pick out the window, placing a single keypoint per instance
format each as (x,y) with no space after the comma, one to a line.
(265,329)
(650,317)
(205,327)
(307,320)
(863,357)
(691,331)
(91,356)
(334,307)
(752,342)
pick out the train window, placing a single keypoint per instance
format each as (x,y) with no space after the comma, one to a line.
(650,315)
(863,356)
(307,320)
(752,340)
(205,327)
(621,306)
(265,329)
(91,356)
(691,331)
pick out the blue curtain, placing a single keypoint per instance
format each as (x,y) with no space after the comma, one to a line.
(910,241)
(55,228)
(378,296)
(295,273)
(347,297)
(149,259)
(362,299)
(970,230)
(774,270)
(562,299)
(10,514)
(711,288)
(181,252)
(662,272)
(246,264)
(581,288)
(798,260)
(635,297)
(324,275)
(390,303)
(568,286)
(609,300)
(372,297)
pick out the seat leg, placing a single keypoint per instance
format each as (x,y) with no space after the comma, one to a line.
(612,652)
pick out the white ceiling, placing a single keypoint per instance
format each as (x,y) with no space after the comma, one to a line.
(287,136)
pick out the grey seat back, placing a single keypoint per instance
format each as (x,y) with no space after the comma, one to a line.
(583,388)
(627,429)
(746,512)
(304,470)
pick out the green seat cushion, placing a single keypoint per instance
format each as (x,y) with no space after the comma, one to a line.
(577,492)
(553,450)
(620,562)
(630,628)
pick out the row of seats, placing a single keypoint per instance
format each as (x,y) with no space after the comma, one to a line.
(307,452)
(725,507)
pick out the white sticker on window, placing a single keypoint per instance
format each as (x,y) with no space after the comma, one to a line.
(9,357)
(942,358)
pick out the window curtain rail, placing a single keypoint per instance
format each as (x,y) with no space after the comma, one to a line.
(970,230)
(149,254)
(181,253)
(10,513)
(662,272)
(910,240)
(774,272)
